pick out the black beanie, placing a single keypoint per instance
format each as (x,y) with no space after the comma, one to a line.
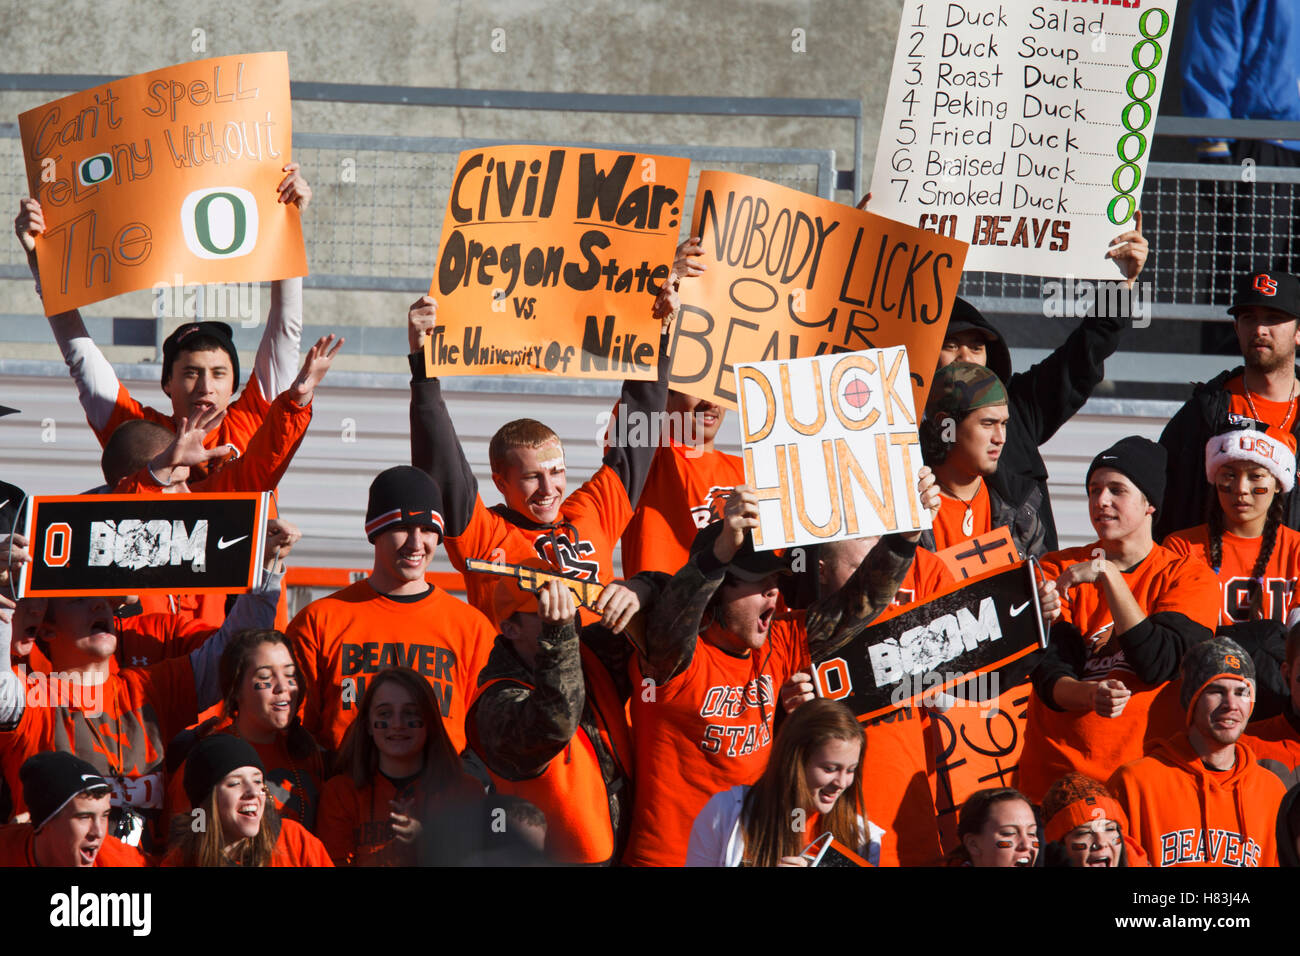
(211,759)
(220,331)
(1140,460)
(403,495)
(51,780)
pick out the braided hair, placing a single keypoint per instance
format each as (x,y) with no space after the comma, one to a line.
(1267,542)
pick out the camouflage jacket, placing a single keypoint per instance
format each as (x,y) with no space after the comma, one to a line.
(528,717)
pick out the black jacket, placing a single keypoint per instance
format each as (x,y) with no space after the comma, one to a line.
(1044,398)
(1018,504)
(1187,492)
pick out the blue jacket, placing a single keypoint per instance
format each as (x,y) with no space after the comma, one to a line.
(1241,60)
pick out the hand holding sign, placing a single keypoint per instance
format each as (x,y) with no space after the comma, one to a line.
(293,188)
(740,514)
(1130,250)
(162,174)
(617,605)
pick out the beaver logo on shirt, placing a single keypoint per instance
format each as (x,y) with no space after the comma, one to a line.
(711,511)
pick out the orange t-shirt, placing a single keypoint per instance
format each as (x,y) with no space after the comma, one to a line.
(18,848)
(244,415)
(120,728)
(149,638)
(294,846)
(1057,742)
(1279,415)
(705,730)
(209,610)
(1236,585)
(579,544)
(1276,739)
(926,576)
(357,632)
(952,512)
(684,492)
(355,826)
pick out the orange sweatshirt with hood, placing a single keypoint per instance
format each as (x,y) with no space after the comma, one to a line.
(1184,814)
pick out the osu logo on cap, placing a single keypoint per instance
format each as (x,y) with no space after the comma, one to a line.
(1265,284)
(220,222)
(1233,661)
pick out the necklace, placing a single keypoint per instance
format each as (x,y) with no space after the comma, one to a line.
(296,788)
(1255,414)
(968,519)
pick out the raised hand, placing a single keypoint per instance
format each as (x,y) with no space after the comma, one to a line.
(421,319)
(314,368)
(740,514)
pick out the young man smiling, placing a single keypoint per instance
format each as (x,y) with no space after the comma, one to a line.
(200,369)
(392,618)
(574,535)
(1200,798)
(1120,612)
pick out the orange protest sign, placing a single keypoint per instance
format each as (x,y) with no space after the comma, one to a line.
(791,275)
(975,556)
(975,748)
(550,262)
(167,177)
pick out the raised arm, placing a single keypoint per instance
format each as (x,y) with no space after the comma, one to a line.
(277,353)
(256,609)
(435,446)
(97,384)
(672,631)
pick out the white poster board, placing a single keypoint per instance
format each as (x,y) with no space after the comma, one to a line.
(830,445)
(1023,128)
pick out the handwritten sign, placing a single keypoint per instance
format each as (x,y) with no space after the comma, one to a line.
(830,446)
(1023,128)
(939,647)
(976,556)
(164,174)
(975,748)
(551,260)
(791,275)
(135,544)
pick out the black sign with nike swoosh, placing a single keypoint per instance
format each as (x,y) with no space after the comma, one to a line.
(137,544)
(937,647)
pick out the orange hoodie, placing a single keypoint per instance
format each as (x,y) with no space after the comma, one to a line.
(1183,814)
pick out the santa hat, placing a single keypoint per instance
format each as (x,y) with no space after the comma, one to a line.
(1271,449)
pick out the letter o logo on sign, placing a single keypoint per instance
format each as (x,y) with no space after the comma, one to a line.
(95,169)
(58,544)
(220,222)
(833,681)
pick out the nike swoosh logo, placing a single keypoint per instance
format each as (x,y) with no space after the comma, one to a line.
(222,543)
(1017,610)
(1109,457)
